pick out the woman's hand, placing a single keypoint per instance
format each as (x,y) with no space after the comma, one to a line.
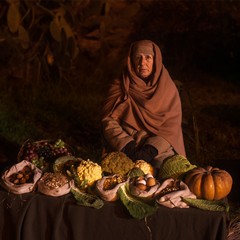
(130,149)
(146,153)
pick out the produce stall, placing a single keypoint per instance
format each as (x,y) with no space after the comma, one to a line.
(53,194)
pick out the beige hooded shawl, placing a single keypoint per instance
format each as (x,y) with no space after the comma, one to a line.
(154,107)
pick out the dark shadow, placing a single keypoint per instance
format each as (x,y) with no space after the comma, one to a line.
(193,35)
(223,112)
(8,153)
(232,167)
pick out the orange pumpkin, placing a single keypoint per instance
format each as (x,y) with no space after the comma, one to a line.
(209,183)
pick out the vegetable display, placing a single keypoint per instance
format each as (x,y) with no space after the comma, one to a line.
(209,183)
(179,183)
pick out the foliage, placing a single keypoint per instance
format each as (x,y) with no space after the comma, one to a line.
(48,35)
(43,34)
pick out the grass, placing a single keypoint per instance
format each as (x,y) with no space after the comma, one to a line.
(216,100)
(51,111)
(71,110)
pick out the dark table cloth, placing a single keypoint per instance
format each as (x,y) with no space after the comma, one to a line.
(35,216)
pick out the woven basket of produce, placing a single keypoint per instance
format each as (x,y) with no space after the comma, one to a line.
(21,177)
(43,153)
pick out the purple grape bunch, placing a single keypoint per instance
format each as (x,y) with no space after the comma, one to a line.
(42,153)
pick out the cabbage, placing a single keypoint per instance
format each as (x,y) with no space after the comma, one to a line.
(217,205)
(135,172)
(138,208)
(86,199)
(63,164)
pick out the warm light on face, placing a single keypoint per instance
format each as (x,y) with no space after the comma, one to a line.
(143,64)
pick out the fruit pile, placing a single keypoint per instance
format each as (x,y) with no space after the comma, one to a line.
(44,152)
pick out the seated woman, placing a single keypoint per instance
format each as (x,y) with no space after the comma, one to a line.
(142,114)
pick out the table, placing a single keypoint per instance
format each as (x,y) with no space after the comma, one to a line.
(34,216)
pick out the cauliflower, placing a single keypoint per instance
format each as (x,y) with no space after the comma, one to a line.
(116,163)
(144,166)
(89,172)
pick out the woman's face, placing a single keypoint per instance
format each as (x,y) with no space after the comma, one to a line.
(143,64)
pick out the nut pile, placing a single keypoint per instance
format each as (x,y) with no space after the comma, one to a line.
(54,180)
(23,176)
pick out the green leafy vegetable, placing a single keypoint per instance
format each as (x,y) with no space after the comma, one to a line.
(203,204)
(135,172)
(62,164)
(86,199)
(137,208)
(175,167)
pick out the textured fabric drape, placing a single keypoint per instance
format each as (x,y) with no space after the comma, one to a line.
(34,216)
(154,107)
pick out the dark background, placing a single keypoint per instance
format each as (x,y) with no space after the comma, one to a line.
(58,58)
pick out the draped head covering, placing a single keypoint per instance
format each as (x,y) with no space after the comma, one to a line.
(153,106)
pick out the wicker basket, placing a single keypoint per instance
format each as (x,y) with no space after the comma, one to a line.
(39,159)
